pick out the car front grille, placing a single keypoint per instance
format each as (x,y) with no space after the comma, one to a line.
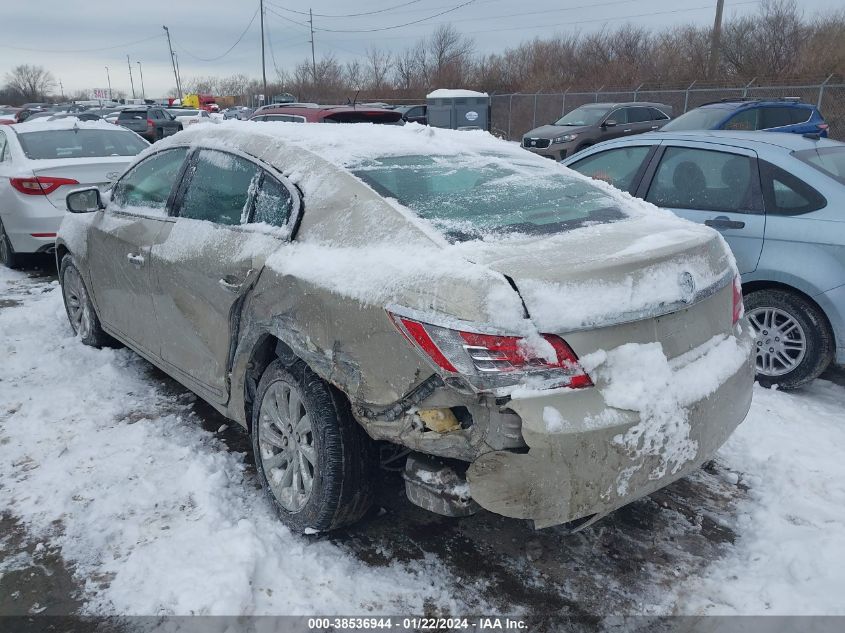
(536,143)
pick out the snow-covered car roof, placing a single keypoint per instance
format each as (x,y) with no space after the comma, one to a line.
(68,123)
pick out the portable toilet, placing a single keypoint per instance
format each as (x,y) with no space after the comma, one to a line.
(458,109)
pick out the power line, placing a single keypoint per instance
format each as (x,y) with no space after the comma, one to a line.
(398,26)
(229,50)
(346,15)
(79,50)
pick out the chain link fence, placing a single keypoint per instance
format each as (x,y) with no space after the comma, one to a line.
(512,115)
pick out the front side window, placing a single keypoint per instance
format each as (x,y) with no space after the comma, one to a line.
(147,186)
(747,120)
(2,146)
(690,178)
(80,143)
(585,115)
(620,116)
(220,188)
(470,196)
(615,166)
(785,194)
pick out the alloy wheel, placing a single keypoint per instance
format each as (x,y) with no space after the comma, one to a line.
(781,341)
(286,445)
(76,300)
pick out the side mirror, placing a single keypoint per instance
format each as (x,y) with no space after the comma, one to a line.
(609,123)
(84,200)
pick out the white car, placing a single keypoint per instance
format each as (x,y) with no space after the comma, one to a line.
(40,163)
(190,117)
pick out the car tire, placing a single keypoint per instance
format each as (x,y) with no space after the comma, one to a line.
(295,415)
(794,341)
(80,311)
(8,257)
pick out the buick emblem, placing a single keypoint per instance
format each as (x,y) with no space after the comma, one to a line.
(687,283)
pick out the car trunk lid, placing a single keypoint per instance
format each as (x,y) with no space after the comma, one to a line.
(88,172)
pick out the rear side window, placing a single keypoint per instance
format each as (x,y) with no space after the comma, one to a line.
(365,116)
(776,116)
(273,203)
(638,115)
(148,185)
(219,189)
(80,143)
(2,146)
(799,115)
(707,180)
(616,166)
(785,194)
(657,115)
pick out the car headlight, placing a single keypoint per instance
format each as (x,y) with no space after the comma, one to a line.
(566,138)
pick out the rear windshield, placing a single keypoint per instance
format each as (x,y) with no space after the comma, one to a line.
(364,116)
(699,119)
(80,143)
(830,160)
(133,114)
(585,115)
(467,197)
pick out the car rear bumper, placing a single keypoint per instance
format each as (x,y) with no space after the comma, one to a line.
(33,228)
(584,471)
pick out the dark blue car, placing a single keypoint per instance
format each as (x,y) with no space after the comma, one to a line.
(775,115)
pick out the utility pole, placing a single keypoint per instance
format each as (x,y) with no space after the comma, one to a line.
(178,73)
(716,41)
(131,81)
(111,98)
(173,61)
(62,89)
(263,66)
(141,72)
(313,58)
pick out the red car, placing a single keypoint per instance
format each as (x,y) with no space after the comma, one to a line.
(314,113)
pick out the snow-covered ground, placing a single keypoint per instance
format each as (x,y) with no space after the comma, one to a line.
(105,462)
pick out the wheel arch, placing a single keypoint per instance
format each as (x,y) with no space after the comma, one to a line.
(766,284)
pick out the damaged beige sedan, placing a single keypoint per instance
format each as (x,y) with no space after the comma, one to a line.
(515,336)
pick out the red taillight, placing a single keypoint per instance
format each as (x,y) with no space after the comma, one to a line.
(40,186)
(738,306)
(823,126)
(488,361)
(150,123)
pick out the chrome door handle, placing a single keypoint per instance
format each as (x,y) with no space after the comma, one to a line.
(655,127)
(628,130)
(135,260)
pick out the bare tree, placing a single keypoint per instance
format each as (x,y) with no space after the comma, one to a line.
(31,82)
(378,68)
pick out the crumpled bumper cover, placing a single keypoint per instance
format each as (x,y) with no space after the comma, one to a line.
(569,475)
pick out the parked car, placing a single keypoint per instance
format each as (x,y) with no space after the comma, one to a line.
(40,163)
(241,113)
(777,199)
(325,287)
(413,113)
(153,123)
(189,117)
(315,113)
(770,115)
(593,123)
(9,115)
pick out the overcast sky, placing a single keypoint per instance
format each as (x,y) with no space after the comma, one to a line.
(62,35)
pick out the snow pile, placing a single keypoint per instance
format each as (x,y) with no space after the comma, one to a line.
(790,556)
(153,512)
(639,377)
